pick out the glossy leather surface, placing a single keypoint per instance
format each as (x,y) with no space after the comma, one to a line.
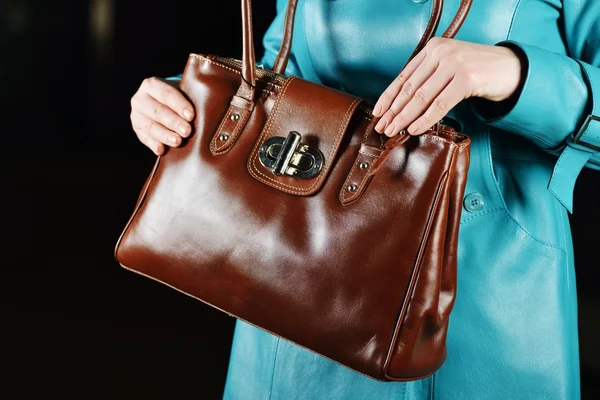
(513,329)
(367,280)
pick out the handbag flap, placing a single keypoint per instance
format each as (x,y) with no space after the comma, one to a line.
(301,137)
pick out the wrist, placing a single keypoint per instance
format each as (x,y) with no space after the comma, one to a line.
(491,109)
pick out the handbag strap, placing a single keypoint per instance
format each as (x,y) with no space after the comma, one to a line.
(286,43)
(249,56)
(459,19)
(434,20)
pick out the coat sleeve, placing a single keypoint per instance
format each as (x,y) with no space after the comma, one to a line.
(272,42)
(558,106)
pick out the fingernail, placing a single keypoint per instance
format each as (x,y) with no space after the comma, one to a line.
(377,110)
(389,129)
(183,129)
(174,139)
(412,129)
(380,126)
(188,114)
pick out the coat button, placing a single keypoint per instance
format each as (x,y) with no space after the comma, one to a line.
(474,202)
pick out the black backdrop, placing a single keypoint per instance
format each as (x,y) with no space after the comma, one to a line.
(74,323)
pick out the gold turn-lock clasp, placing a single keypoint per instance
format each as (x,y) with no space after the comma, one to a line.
(288,156)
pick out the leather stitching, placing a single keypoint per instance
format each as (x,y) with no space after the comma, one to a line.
(459,18)
(235,133)
(493,210)
(554,174)
(280,185)
(367,131)
(277,342)
(501,196)
(342,196)
(367,153)
(428,27)
(427,35)
(199,57)
(512,21)
(323,174)
(361,187)
(282,87)
(214,148)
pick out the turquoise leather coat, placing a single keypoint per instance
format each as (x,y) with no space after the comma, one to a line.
(513,331)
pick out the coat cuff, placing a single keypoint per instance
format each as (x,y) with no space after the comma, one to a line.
(581,146)
(174,78)
(553,110)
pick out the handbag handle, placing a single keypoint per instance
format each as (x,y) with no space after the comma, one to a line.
(249,56)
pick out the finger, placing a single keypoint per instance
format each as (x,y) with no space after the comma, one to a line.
(157,147)
(422,99)
(170,96)
(147,126)
(163,114)
(441,105)
(385,100)
(408,91)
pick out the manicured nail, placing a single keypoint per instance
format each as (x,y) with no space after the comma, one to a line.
(188,114)
(174,139)
(377,110)
(389,129)
(380,126)
(412,129)
(183,129)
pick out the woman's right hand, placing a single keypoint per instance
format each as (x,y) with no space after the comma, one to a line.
(160,115)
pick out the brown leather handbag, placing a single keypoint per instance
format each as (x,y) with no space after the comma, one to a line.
(287,210)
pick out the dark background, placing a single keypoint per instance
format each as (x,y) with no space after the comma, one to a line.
(74,323)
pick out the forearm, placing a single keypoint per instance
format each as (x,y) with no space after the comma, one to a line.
(558,108)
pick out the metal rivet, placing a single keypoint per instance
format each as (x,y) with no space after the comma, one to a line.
(363,165)
(224,138)
(353,188)
(235,117)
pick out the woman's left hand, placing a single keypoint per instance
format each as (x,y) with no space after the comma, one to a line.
(443,74)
